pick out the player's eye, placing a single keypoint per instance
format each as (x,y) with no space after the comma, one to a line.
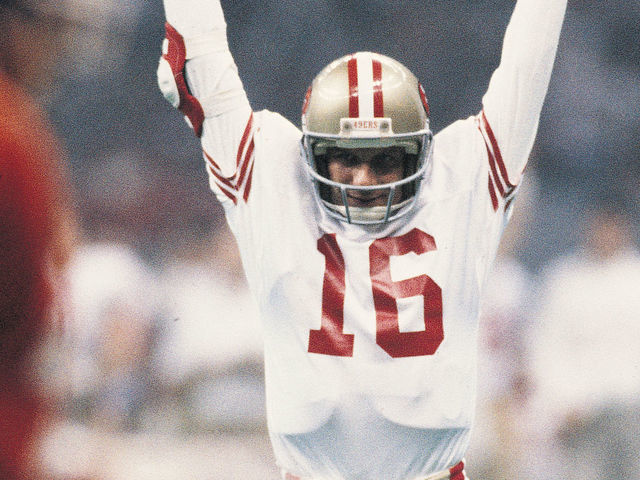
(345,158)
(385,163)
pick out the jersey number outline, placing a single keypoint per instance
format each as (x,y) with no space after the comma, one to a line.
(331,339)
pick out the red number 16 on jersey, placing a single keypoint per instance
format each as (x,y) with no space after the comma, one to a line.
(331,339)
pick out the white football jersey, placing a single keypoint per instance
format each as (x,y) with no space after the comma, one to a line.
(370,332)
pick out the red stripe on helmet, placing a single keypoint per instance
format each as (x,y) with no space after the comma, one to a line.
(305,105)
(378,101)
(423,97)
(352,67)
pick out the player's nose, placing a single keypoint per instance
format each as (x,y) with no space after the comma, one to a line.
(363,175)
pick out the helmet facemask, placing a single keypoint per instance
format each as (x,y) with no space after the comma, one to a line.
(366,101)
(400,196)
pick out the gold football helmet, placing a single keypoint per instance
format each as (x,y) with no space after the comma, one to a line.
(366,100)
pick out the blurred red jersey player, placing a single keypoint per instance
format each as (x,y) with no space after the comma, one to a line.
(36,237)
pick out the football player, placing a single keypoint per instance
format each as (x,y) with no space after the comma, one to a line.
(37,236)
(365,239)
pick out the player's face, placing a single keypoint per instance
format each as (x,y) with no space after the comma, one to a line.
(365,167)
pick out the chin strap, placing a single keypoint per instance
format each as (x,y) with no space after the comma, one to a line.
(366,215)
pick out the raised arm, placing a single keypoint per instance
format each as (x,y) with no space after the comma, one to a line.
(512,104)
(198,75)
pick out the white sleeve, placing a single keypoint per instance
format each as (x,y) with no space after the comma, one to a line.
(516,93)
(212,77)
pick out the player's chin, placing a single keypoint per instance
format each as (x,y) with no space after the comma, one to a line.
(372,198)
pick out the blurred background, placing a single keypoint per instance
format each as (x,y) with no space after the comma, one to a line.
(158,378)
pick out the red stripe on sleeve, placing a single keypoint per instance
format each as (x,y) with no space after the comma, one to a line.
(378,101)
(496,151)
(245,137)
(223,187)
(352,67)
(490,155)
(231,186)
(247,187)
(245,163)
(217,172)
(211,161)
(492,165)
(494,197)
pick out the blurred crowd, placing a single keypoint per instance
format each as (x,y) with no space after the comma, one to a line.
(156,366)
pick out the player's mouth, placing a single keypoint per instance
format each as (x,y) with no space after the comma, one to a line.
(368,201)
